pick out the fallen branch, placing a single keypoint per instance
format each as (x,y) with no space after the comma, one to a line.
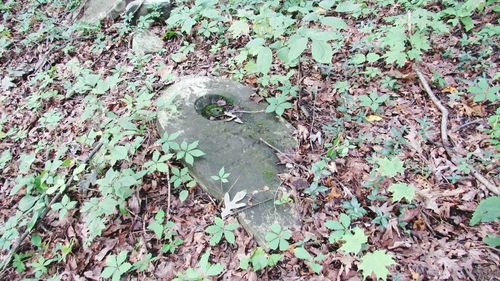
(444,135)
(282,153)
(56,198)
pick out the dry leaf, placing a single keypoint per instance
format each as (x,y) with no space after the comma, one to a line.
(373,118)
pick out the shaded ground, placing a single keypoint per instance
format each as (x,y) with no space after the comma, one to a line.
(429,239)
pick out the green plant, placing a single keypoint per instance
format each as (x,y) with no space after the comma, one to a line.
(204,270)
(221,176)
(65,250)
(259,260)
(482,91)
(64,206)
(18,261)
(354,208)
(278,104)
(40,266)
(373,101)
(188,152)
(340,227)
(182,177)
(462,12)
(157,224)
(220,229)
(144,263)
(285,198)
(277,237)
(116,266)
(311,261)
(408,37)
(339,147)
(158,162)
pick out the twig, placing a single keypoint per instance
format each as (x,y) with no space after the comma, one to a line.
(169,195)
(468,124)
(444,135)
(247,111)
(27,232)
(282,153)
(315,93)
(253,206)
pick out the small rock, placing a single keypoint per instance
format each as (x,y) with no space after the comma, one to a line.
(146,42)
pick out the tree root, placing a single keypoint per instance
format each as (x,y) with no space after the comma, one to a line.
(444,135)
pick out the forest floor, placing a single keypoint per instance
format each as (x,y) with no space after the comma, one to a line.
(381,189)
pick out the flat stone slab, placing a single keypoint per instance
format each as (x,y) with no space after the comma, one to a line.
(237,147)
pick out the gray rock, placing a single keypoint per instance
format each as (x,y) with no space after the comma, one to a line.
(237,147)
(96,10)
(141,8)
(146,42)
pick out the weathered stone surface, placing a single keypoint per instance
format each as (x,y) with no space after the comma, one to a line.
(135,7)
(145,42)
(96,10)
(237,147)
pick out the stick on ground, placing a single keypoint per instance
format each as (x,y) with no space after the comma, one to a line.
(444,135)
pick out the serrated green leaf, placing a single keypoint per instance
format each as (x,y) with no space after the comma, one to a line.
(390,167)
(353,241)
(376,263)
(402,190)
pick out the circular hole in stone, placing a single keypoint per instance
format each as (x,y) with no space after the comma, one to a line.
(213,107)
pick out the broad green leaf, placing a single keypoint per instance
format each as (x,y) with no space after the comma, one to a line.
(297,46)
(26,161)
(264,60)
(259,259)
(492,240)
(322,51)
(27,202)
(347,7)
(358,59)
(372,57)
(488,210)
(183,195)
(107,272)
(334,22)
(302,253)
(376,263)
